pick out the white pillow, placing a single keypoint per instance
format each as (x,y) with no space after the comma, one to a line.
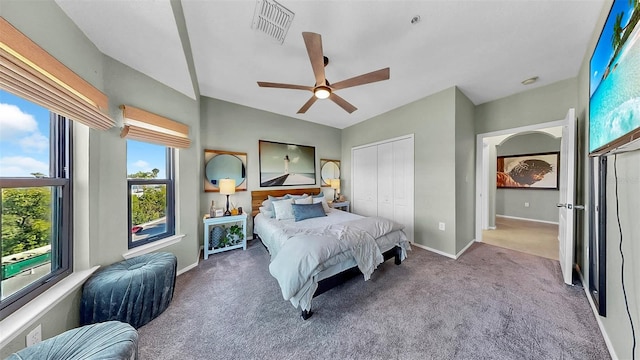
(283,209)
(305,200)
(323,200)
(266,212)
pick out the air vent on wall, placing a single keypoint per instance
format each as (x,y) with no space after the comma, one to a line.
(272,19)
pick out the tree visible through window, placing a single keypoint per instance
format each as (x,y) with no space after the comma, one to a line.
(36,200)
(150,181)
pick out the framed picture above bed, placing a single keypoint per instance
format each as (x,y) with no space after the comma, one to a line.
(220,164)
(284,164)
(530,171)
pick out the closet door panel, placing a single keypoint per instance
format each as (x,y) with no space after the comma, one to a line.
(385,180)
(365,190)
(403,186)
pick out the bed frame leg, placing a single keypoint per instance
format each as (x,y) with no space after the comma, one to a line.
(398,255)
(306,314)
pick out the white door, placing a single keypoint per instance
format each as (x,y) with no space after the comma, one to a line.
(386,178)
(365,188)
(567,192)
(403,171)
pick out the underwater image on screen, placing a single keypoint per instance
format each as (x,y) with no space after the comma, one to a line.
(614,105)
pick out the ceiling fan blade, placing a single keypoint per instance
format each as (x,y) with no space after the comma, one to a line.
(378,75)
(313,42)
(307,105)
(342,103)
(284,86)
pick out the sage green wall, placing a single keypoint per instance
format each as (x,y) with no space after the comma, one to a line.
(465,146)
(231,127)
(432,121)
(534,106)
(101,190)
(616,324)
(542,203)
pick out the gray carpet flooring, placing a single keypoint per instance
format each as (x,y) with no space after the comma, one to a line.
(491,303)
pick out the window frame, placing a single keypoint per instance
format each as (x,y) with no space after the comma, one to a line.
(60,177)
(169,182)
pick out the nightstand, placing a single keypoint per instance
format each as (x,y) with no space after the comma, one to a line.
(340,205)
(222,221)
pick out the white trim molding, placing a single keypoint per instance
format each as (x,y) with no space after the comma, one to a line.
(151,247)
(20,320)
(526,219)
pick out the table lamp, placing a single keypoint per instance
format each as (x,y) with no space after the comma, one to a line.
(227,187)
(335,185)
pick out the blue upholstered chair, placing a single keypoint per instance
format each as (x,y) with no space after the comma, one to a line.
(113,340)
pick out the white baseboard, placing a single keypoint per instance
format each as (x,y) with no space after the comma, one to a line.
(525,219)
(434,250)
(491,228)
(465,248)
(190,267)
(607,341)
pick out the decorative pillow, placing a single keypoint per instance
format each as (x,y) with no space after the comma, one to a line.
(297,196)
(321,194)
(323,200)
(304,200)
(273,199)
(307,211)
(283,209)
(266,212)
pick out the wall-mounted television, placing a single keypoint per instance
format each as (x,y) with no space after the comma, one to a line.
(614,82)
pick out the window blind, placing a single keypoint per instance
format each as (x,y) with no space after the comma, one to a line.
(30,72)
(146,126)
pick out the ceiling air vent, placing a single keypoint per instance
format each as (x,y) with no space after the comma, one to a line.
(272,19)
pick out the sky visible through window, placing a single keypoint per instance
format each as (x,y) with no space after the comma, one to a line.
(145,157)
(24,137)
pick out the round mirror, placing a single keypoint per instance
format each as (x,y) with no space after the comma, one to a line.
(225,166)
(329,170)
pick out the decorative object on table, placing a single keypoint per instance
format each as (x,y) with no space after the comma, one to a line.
(335,185)
(286,164)
(530,171)
(219,212)
(233,235)
(220,164)
(227,187)
(329,169)
(212,210)
(216,236)
(239,209)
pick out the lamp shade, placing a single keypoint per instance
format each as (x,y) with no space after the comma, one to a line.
(335,183)
(227,186)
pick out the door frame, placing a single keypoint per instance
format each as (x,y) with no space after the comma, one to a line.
(482,165)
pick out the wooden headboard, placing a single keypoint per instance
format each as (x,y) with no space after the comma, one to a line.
(258,196)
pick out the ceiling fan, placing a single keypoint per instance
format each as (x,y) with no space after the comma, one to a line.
(323,89)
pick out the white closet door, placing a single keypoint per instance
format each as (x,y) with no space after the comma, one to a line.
(386,177)
(365,170)
(402,199)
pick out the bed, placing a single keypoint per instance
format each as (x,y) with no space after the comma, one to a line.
(312,255)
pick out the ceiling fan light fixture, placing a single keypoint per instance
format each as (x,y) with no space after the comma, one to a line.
(322,92)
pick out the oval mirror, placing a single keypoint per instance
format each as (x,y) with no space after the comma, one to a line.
(330,169)
(224,166)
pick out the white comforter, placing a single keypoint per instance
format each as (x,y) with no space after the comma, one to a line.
(304,252)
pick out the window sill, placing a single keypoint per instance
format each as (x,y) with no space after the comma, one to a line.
(27,315)
(156,245)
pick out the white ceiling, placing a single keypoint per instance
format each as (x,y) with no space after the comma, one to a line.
(486,48)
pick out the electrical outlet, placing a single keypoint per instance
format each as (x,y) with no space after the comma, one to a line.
(526,204)
(441,226)
(35,335)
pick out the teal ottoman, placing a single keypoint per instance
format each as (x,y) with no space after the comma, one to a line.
(109,340)
(134,291)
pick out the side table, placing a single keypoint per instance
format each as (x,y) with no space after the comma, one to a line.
(341,205)
(224,220)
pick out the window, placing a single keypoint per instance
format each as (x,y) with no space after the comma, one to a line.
(150,178)
(35,184)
